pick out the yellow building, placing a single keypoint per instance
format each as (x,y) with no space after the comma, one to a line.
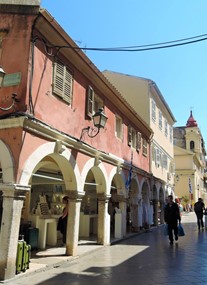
(190,164)
(146,99)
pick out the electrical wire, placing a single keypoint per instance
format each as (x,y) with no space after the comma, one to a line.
(162,43)
(146,47)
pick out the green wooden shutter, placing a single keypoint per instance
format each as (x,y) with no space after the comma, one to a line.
(67,86)
(129,135)
(138,141)
(62,82)
(90,102)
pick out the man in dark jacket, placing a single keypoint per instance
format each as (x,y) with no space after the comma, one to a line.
(172,216)
(199,207)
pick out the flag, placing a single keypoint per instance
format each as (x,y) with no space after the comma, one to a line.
(190,187)
(129,179)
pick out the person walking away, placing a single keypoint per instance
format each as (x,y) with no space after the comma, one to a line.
(172,216)
(179,206)
(62,222)
(199,207)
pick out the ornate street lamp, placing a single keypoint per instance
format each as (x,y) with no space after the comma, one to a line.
(99,121)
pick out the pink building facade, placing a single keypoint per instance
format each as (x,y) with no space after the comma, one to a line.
(48,97)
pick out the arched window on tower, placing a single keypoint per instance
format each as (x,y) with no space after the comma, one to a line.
(192,145)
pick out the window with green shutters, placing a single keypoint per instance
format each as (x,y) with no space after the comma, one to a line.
(62,82)
(139,141)
(90,101)
(144,148)
(94,102)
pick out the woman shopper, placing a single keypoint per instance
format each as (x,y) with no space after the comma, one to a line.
(62,222)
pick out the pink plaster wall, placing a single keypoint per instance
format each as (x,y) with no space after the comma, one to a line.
(16,57)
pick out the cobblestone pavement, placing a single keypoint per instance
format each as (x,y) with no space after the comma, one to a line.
(145,259)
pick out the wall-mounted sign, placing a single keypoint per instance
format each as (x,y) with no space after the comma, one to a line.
(12,79)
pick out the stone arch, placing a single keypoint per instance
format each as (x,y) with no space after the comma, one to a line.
(119,180)
(65,162)
(7,163)
(99,173)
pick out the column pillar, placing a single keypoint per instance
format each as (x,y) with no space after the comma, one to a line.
(13,197)
(103,219)
(72,236)
(123,207)
(155,218)
(136,213)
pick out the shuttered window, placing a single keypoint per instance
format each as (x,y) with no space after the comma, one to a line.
(157,157)
(164,161)
(90,102)
(153,110)
(62,82)
(139,141)
(93,103)
(144,147)
(129,135)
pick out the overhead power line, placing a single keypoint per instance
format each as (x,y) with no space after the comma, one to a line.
(146,47)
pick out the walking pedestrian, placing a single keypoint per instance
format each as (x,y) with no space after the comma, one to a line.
(177,200)
(62,222)
(199,207)
(172,216)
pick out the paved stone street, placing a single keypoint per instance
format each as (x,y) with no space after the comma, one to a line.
(143,259)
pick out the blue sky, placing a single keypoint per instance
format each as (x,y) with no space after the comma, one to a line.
(179,72)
